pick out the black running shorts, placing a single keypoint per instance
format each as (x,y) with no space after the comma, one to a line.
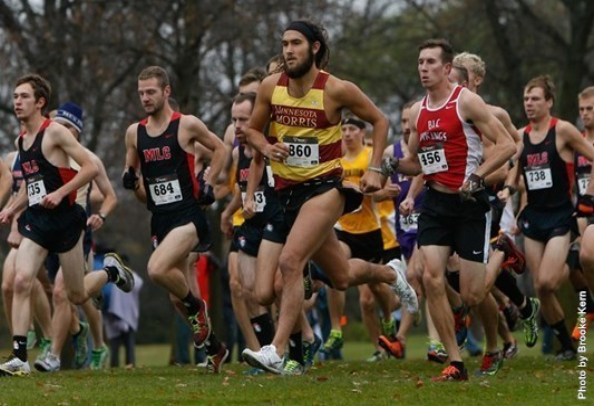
(55,230)
(365,246)
(52,262)
(294,197)
(463,225)
(544,224)
(163,223)
(249,235)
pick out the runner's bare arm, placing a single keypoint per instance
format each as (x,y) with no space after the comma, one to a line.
(577,143)
(110,199)
(62,138)
(200,133)
(473,108)
(259,118)
(133,162)
(257,168)
(15,205)
(5,183)
(410,165)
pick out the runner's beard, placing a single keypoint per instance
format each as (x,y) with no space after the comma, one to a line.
(300,70)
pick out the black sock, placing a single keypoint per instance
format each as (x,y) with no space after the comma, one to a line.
(458,364)
(212,345)
(264,328)
(19,345)
(562,335)
(112,273)
(296,347)
(192,303)
(453,278)
(506,283)
(527,310)
(588,296)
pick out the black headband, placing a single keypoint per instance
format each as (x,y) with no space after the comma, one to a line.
(304,29)
(355,122)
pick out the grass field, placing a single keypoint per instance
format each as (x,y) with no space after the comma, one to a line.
(527,380)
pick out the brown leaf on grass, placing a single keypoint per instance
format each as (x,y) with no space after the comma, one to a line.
(322,378)
(396,396)
(230,372)
(420,383)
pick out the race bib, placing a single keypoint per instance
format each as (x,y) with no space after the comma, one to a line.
(433,159)
(165,190)
(304,152)
(583,182)
(410,222)
(538,177)
(35,189)
(259,199)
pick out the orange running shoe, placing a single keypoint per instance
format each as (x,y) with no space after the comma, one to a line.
(394,347)
(575,334)
(451,373)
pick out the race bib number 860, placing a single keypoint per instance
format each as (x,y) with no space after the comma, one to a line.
(303,151)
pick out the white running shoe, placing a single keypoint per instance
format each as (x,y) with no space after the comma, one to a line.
(49,363)
(266,359)
(407,294)
(125,278)
(13,366)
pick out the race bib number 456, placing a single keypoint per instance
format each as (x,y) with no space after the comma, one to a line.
(433,159)
(304,152)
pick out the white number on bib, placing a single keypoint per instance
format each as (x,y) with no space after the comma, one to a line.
(303,151)
(433,159)
(410,222)
(259,199)
(539,177)
(35,190)
(165,190)
(583,182)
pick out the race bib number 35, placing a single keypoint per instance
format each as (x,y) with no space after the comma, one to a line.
(433,159)
(538,177)
(304,152)
(165,190)
(35,190)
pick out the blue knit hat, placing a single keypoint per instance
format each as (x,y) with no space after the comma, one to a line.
(70,113)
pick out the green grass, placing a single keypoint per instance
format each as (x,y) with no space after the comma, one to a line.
(526,380)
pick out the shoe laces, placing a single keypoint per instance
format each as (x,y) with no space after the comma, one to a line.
(292,366)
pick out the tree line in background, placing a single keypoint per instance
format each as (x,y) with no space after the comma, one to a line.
(92,52)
